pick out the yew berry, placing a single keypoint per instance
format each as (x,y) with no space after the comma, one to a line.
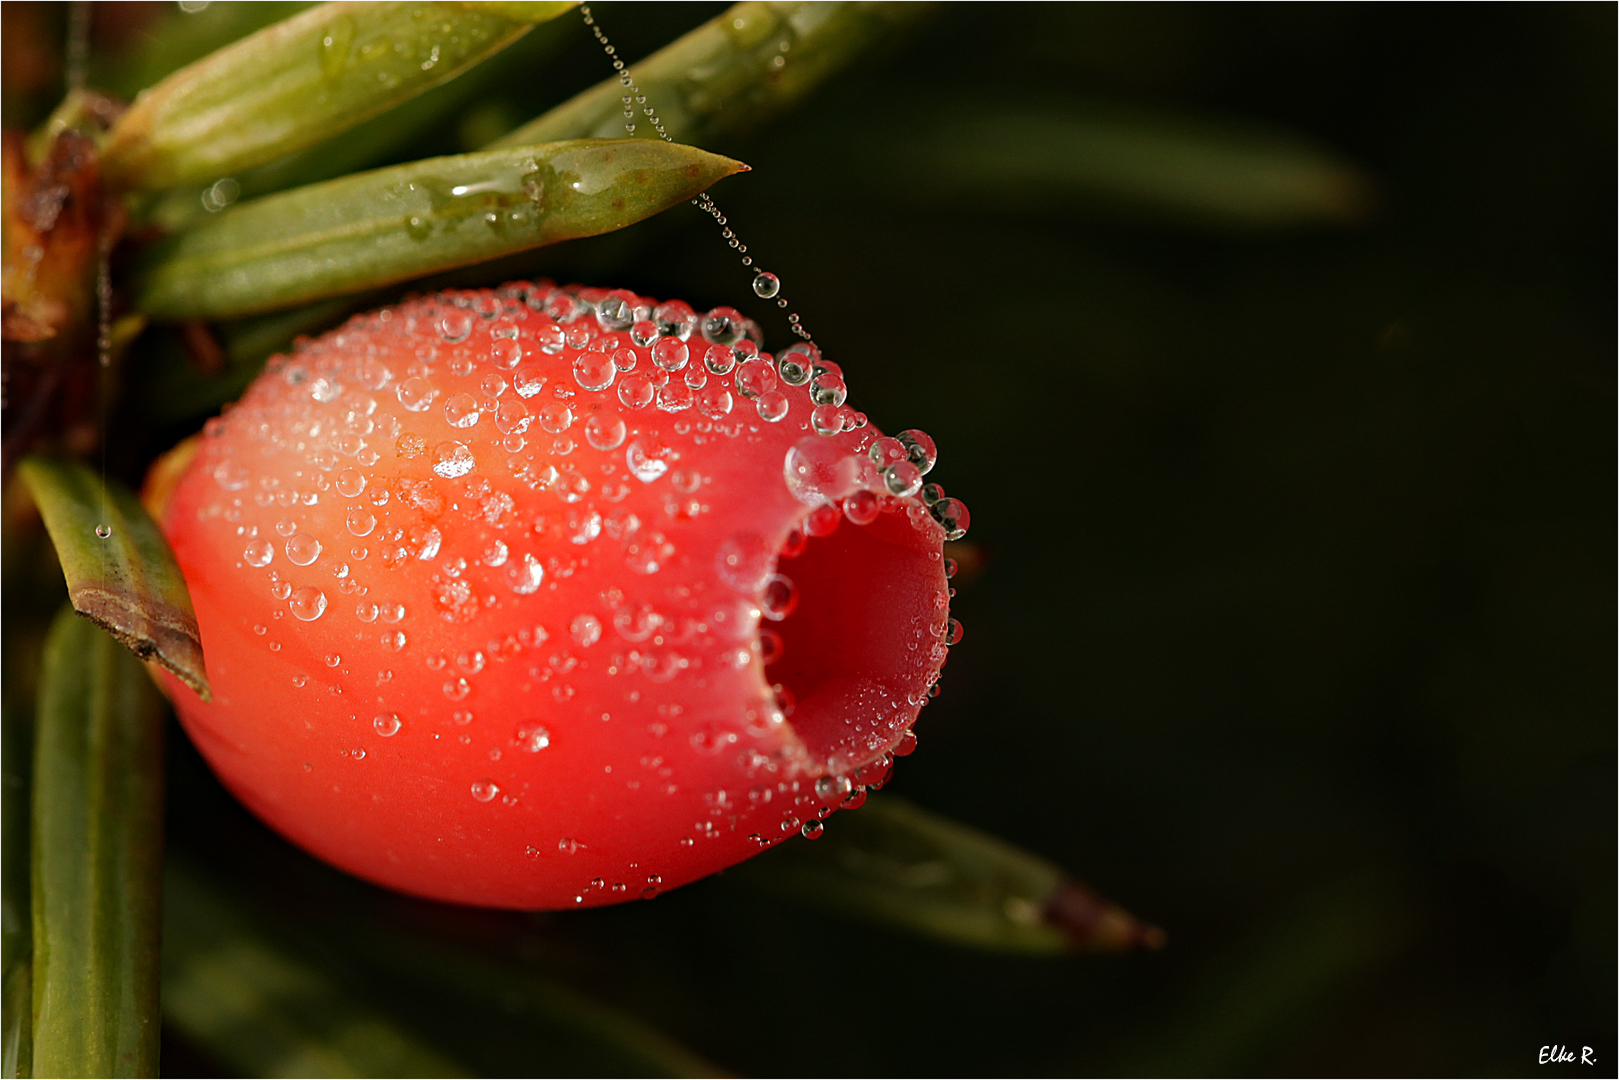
(540,597)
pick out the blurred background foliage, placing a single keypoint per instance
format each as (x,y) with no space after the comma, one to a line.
(1273,349)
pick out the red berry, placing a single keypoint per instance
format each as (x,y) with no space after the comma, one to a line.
(480,580)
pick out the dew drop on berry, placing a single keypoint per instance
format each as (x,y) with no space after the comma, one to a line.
(555,417)
(454,326)
(360,521)
(919,449)
(779,598)
(772,406)
(386,724)
(461,411)
(594,371)
(533,738)
(952,516)
(585,629)
(484,790)
(525,575)
(625,359)
(452,459)
(818,471)
(302,549)
(755,377)
(494,553)
(675,319)
(416,393)
(605,431)
(812,829)
(952,632)
(527,382)
(636,391)
(723,325)
(670,354)
(259,553)
(365,612)
(646,461)
(719,359)
(902,478)
(714,401)
(307,603)
(230,476)
(745,562)
(350,483)
(822,521)
(862,508)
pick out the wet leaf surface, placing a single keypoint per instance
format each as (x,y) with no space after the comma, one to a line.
(392,224)
(119,570)
(97,852)
(297,82)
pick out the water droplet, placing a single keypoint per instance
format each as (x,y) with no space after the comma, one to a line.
(812,829)
(675,319)
(230,476)
(461,411)
(308,603)
(719,359)
(454,326)
(103,531)
(723,325)
(555,417)
(568,846)
(755,377)
(818,471)
(350,483)
(906,745)
(766,285)
(645,459)
(636,391)
(303,549)
(360,521)
(625,359)
(919,448)
(862,508)
(586,629)
(670,354)
(494,553)
(605,430)
(952,632)
(533,738)
(527,382)
(779,598)
(772,406)
(745,562)
(714,401)
(484,790)
(365,612)
(525,576)
(594,370)
(386,724)
(829,389)
(452,459)
(416,393)
(902,478)
(259,553)
(952,516)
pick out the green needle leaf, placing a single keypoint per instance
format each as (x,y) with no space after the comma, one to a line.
(295,83)
(119,569)
(730,75)
(894,863)
(389,225)
(97,852)
(262,1011)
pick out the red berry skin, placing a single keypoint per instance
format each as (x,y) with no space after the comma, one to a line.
(469,640)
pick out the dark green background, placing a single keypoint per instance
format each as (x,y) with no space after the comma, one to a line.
(1296,632)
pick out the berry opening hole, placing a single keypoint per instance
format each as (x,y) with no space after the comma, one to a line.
(847,638)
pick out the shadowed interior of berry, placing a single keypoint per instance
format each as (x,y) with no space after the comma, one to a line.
(854,650)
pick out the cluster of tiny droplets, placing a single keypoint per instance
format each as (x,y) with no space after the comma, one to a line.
(766,286)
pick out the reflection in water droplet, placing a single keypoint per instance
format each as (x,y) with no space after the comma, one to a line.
(461,411)
(416,393)
(350,483)
(525,575)
(452,459)
(308,603)
(533,738)
(779,598)
(361,521)
(605,430)
(303,549)
(386,724)
(484,790)
(766,285)
(103,531)
(259,553)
